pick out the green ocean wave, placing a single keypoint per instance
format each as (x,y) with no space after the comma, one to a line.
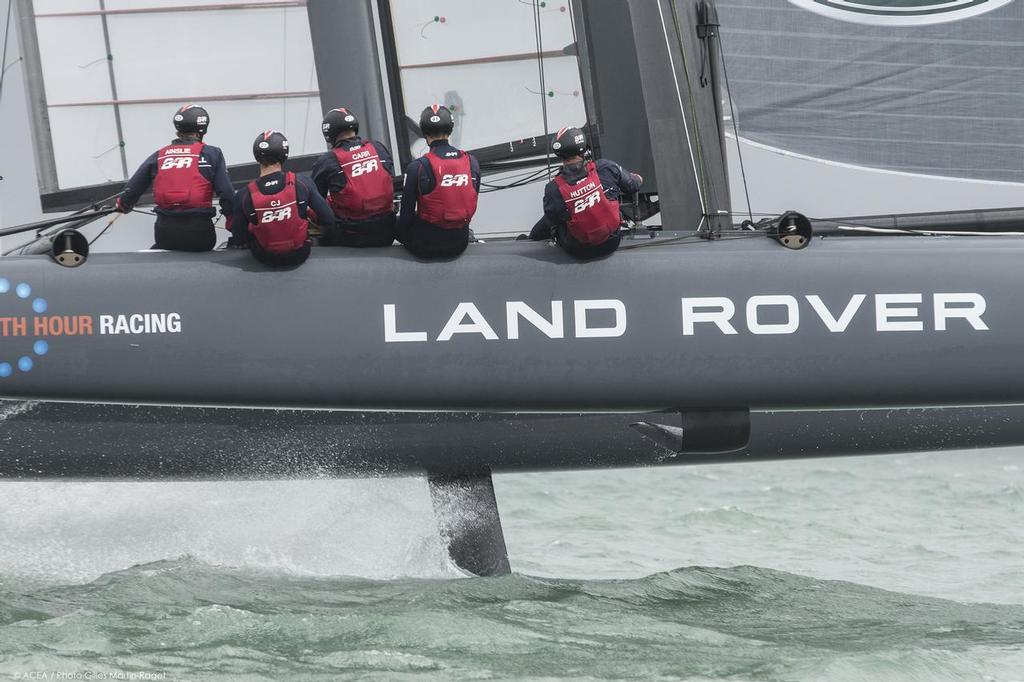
(192,620)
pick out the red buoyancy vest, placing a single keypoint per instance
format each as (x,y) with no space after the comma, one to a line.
(593,217)
(279,228)
(452,202)
(178,183)
(368,190)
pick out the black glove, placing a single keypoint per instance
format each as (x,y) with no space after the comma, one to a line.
(541,230)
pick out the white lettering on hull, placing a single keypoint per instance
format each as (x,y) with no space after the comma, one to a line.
(141,323)
(467,319)
(763,315)
(893,313)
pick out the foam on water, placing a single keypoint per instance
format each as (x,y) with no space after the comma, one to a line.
(74,532)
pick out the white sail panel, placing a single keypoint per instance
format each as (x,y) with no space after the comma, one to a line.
(481,59)
(251,66)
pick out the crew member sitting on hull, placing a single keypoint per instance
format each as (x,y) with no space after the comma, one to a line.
(184,175)
(440,194)
(272,212)
(356,178)
(581,205)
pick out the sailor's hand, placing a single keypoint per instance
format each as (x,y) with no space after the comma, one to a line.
(541,230)
(120,206)
(639,178)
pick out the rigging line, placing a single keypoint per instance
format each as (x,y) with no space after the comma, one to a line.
(579,70)
(7,35)
(693,107)
(682,110)
(284,69)
(513,172)
(107,227)
(118,127)
(517,182)
(510,175)
(690,239)
(512,185)
(543,85)
(309,101)
(16,61)
(735,127)
(493,188)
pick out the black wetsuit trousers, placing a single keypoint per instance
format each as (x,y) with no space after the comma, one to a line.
(280,260)
(186,232)
(586,251)
(545,228)
(428,241)
(379,231)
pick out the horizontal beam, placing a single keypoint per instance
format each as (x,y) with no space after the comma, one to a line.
(277,4)
(497,59)
(247,96)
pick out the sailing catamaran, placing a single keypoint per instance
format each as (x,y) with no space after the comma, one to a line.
(712,337)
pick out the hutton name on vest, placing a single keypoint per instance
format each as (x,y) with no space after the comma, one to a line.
(761,315)
(576,193)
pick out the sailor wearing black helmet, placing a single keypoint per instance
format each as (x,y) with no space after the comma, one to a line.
(272,213)
(355,176)
(581,205)
(184,175)
(440,194)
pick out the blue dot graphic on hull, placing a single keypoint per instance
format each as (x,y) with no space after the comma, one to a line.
(40,347)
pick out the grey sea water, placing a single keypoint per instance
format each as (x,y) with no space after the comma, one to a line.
(887,568)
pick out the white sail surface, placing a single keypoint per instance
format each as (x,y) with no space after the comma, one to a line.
(112,72)
(481,59)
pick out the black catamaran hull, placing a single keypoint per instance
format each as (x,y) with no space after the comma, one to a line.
(94,441)
(511,357)
(846,323)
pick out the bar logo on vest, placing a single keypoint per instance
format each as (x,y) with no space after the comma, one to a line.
(900,12)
